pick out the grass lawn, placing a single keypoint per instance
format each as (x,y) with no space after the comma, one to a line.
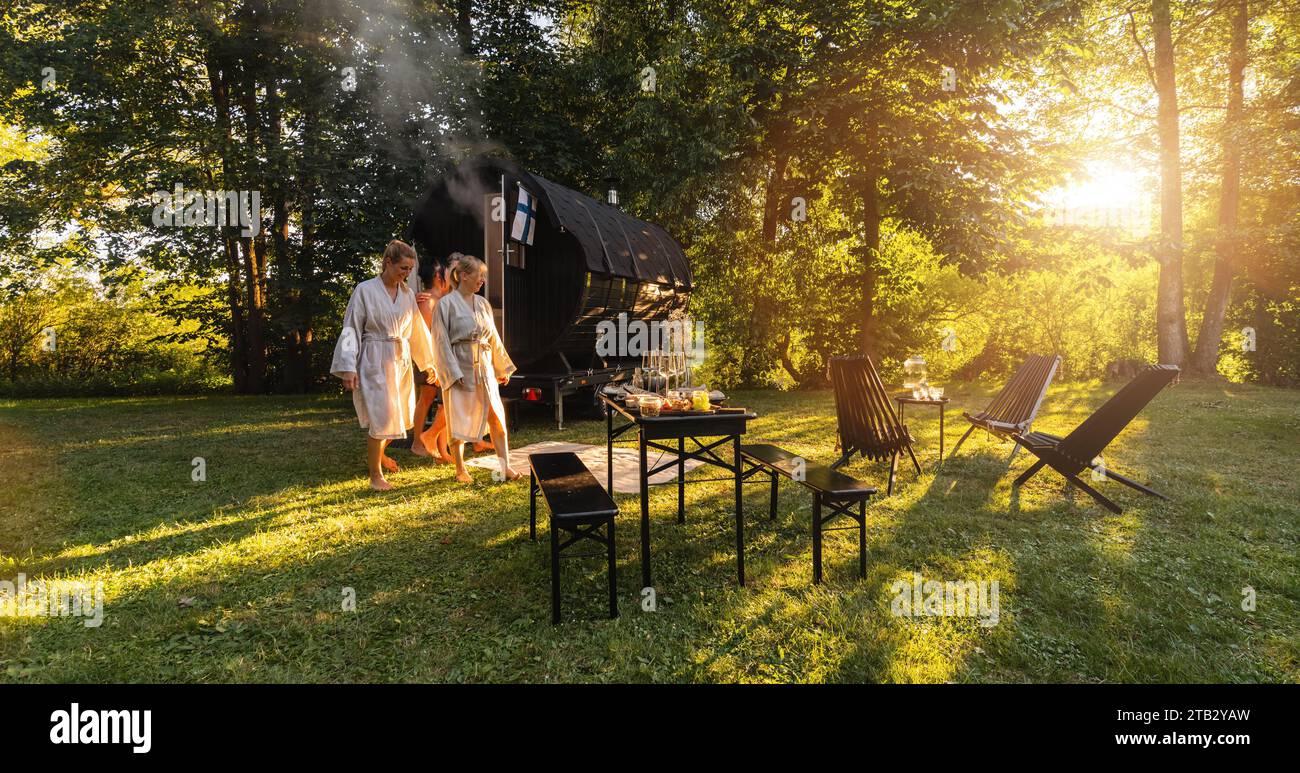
(242,577)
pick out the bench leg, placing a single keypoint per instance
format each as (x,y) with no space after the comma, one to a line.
(555,575)
(862,539)
(613,573)
(532,504)
(817,538)
(771,511)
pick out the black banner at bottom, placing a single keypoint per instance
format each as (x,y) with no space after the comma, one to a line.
(304,722)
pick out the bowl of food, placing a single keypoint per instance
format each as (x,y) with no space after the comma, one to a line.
(650,405)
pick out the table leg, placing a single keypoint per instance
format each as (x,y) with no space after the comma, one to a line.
(740,515)
(609,448)
(681,480)
(645,513)
(862,539)
(817,538)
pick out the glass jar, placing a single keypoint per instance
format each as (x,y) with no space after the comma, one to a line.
(913,371)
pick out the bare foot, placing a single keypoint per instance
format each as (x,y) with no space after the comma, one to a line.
(511,474)
(388,464)
(480,446)
(430,448)
(463,476)
(380,484)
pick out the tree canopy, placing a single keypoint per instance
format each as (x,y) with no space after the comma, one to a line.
(872,176)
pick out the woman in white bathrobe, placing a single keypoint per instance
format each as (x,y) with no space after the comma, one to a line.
(471,361)
(382,332)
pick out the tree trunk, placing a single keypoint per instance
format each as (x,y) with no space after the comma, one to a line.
(773,201)
(256,324)
(254,250)
(288,291)
(1206,357)
(1171,317)
(218,74)
(464,26)
(304,314)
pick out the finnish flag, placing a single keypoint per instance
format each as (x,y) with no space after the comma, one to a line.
(525,224)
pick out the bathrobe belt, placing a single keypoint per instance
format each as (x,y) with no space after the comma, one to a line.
(404,350)
(477,347)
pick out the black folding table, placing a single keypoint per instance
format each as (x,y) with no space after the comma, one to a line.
(723,428)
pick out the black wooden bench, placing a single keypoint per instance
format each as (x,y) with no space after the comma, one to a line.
(579,508)
(834,490)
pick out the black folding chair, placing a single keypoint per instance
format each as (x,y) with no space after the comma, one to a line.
(1078,450)
(867,422)
(1015,407)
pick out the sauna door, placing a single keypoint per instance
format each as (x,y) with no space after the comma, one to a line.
(495,222)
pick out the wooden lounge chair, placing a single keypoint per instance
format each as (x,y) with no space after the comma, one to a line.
(867,422)
(1078,450)
(1015,407)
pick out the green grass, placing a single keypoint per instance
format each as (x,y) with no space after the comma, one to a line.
(241,577)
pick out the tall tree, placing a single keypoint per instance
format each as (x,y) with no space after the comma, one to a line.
(1206,357)
(1171,314)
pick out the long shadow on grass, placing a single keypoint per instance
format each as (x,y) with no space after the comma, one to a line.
(448,587)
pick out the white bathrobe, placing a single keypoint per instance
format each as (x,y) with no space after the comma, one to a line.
(379,339)
(469,358)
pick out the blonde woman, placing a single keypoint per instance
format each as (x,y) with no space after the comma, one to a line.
(471,361)
(382,332)
(435,277)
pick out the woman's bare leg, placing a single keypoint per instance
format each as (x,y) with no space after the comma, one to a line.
(458,455)
(385,459)
(422,406)
(374,457)
(501,442)
(437,437)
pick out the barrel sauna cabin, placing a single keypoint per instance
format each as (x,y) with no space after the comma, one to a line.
(589,261)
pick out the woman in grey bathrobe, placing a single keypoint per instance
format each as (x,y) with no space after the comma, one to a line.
(471,361)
